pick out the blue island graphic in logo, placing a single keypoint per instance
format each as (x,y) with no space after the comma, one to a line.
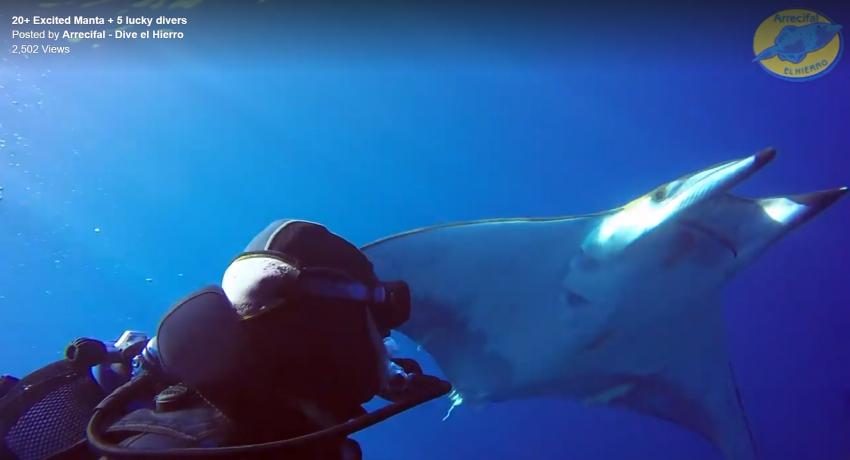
(797,45)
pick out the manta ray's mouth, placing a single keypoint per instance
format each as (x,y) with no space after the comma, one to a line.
(712,235)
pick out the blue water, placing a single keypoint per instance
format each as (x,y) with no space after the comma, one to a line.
(132,173)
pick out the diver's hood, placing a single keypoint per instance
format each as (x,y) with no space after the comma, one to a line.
(313,245)
(311,304)
(297,261)
(266,272)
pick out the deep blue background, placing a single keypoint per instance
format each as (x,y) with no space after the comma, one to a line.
(374,121)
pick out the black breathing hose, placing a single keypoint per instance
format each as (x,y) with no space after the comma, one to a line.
(122,395)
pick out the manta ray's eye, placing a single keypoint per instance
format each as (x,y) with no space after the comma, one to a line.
(659,194)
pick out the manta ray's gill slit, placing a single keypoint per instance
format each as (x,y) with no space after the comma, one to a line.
(712,234)
(600,339)
(575,299)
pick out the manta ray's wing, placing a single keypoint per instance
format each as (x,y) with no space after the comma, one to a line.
(741,228)
(678,369)
(513,309)
(748,226)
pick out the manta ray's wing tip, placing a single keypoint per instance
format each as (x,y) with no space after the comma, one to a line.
(793,210)
(820,200)
(764,156)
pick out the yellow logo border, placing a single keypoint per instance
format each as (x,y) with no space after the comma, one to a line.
(816,63)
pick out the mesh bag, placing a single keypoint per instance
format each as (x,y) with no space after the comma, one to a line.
(47,412)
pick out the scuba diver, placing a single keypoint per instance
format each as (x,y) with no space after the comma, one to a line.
(274,363)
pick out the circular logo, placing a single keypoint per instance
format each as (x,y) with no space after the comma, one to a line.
(797,44)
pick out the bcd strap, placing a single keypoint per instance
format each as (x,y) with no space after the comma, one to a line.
(46,412)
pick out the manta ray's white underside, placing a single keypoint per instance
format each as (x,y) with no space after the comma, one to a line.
(618,308)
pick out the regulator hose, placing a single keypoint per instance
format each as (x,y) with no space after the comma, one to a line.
(144,381)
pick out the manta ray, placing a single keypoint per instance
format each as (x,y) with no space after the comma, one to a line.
(794,43)
(619,308)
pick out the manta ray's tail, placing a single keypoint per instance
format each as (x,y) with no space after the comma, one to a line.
(751,448)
